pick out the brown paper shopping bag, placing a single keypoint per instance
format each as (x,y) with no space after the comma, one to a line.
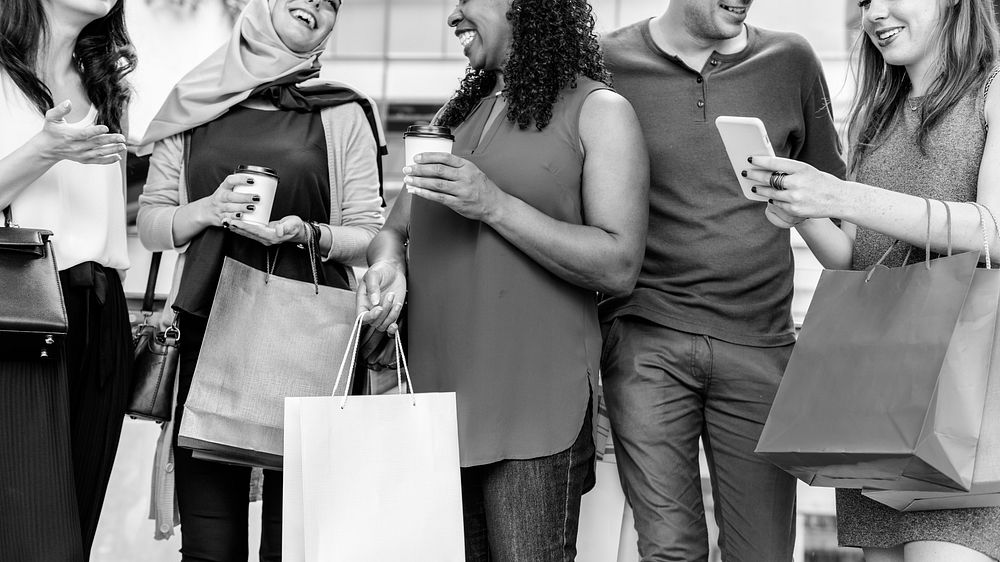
(267,338)
(881,390)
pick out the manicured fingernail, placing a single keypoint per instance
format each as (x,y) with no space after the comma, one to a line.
(255,198)
(250,181)
(225,224)
(770,201)
(743,173)
(407,170)
(753,189)
(239,215)
(750,159)
(250,207)
(406,179)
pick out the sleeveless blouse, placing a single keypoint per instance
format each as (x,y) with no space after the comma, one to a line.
(292,143)
(950,172)
(519,345)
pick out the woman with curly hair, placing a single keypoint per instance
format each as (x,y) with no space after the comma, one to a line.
(541,207)
(63,100)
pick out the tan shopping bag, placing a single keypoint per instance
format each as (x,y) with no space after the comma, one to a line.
(372,478)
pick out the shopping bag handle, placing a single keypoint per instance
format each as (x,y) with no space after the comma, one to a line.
(927,242)
(982,223)
(352,354)
(310,248)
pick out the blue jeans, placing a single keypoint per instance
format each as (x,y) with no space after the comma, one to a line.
(528,510)
(665,390)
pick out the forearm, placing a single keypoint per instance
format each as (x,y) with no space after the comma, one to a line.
(586,256)
(21,168)
(189,221)
(904,217)
(831,245)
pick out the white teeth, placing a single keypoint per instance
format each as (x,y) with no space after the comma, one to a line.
(738,10)
(883,35)
(304,16)
(466,37)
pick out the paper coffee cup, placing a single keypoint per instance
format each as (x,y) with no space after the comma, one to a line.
(265,184)
(426,138)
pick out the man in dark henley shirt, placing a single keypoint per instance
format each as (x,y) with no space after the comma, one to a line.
(698,349)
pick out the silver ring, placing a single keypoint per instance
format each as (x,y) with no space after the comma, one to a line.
(777,180)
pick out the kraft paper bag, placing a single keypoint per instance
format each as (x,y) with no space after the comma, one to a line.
(985,489)
(882,390)
(267,338)
(374,478)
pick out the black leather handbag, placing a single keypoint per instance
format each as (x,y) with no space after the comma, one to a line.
(155,361)
(33,317)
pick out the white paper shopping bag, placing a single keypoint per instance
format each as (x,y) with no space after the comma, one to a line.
(377,478)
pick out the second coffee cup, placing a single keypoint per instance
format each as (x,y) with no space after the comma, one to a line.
(265,184)
(426,138)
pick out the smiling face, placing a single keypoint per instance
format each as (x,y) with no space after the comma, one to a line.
(713,20)
(303,25)
(484,32)
(904,31)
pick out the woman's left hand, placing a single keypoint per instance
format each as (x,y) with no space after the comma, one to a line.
(288,229)
(803,192)
(454,182)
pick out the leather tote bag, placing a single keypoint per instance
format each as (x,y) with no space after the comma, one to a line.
(155,360)
(33,317)
(267,338)
(372,478)
(882,389)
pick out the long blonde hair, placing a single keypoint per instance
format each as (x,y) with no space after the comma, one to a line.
(968,42)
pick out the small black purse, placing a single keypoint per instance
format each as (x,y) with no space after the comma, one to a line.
(33,317)
(155,361)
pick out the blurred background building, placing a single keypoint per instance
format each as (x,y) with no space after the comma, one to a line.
(404,56)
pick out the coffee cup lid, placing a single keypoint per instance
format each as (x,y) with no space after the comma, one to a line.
(256,170)
(432,131)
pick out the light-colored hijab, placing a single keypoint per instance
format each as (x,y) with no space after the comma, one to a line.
(254,55)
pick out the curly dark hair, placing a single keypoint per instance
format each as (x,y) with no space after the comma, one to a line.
(103,53)
(553,43)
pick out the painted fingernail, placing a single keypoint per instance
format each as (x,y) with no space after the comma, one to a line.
(255,198)
(238,215)
(250,181)
(743,173)
(770,201)
(225,224)
(750,159)
(250,207)
(753,189)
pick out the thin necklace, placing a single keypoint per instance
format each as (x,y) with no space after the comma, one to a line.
(913,105)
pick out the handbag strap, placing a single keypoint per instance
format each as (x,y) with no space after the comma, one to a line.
(147,297)
(310,248)
(352,354)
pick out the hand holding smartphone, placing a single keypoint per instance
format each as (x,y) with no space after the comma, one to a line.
(744,137)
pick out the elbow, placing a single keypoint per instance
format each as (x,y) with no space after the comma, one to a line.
(620,278)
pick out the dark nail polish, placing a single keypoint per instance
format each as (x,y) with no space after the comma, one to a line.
(239,215)
(255,198)
(250,181)
(750,159)
(250,207)
(743,173)
(753,189)
(770,201)
(225,225)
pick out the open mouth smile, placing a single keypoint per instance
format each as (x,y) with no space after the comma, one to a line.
(304,16)
(738,10)
(466,37)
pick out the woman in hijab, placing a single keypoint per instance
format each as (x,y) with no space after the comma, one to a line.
(246,104)
(63,102)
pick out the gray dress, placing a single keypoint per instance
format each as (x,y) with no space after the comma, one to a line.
(949,171)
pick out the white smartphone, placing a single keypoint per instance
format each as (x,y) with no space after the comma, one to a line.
(744,137)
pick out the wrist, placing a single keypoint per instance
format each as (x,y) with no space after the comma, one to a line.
(496,209)
(43,149)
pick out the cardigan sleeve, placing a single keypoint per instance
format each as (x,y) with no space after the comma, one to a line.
(162,195)
(353,154)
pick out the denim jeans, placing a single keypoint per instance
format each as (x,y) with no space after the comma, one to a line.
(528,510)
(665,390)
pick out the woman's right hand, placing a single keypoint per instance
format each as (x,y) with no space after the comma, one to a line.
(94,144)
(226,205)
(381,295)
